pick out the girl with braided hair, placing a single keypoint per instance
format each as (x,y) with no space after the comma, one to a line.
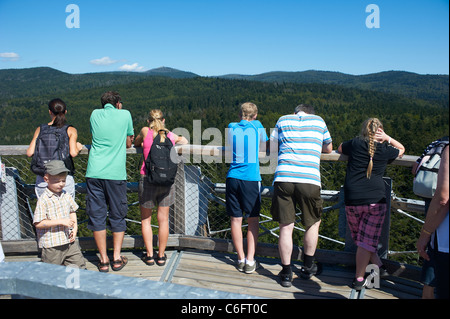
(364,190)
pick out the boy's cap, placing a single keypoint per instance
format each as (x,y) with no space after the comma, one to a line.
(55,167)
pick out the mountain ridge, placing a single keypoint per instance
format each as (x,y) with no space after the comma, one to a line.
(433,87)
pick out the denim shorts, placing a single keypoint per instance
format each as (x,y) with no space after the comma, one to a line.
(106,198)
(243,196)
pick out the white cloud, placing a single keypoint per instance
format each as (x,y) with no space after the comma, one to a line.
(131,67)
(9,56)
(106,60)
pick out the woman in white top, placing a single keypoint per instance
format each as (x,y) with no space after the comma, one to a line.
(436,229)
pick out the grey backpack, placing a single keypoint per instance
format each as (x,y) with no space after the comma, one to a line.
(426,178)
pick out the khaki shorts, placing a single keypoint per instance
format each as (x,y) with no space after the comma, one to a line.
(151,195)
(67,254)
(288,195)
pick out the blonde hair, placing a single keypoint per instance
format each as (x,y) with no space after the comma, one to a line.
(368,131)
(248,110)
(156,123)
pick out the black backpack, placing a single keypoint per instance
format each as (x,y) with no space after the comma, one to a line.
(161,169)
(52,143)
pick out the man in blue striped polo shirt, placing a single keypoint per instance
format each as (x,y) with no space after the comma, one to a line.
(302,137)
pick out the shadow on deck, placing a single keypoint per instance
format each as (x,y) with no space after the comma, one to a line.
(205,269)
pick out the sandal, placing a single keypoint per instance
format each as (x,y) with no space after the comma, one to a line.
(101,266)
(122,262)
(148,260)
(159,259)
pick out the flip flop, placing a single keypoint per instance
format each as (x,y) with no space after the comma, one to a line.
(122,262)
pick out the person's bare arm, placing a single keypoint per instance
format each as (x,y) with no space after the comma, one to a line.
(327,148)
(32,146)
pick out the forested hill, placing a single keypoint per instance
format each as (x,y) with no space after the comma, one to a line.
(16,83)
(43,80)
(185,97)
(428,87)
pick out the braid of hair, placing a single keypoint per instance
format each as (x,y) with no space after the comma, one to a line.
(371,130)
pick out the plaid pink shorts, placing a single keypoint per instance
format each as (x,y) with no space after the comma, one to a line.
(365,223)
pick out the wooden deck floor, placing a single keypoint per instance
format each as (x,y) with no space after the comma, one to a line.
(216,270)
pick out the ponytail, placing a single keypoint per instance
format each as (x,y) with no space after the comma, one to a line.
(156,123)
(58,109)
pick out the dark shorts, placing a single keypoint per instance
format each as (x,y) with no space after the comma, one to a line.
(243,196)
(106,198)
(287,196)
(153,195)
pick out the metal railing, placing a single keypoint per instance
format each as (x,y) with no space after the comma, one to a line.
(199,208)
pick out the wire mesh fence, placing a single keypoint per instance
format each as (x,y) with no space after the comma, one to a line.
(199,208)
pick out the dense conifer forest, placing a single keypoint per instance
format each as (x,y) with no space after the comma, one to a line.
(185,97)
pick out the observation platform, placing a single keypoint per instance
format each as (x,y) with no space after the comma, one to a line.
(201,259)
(210,264)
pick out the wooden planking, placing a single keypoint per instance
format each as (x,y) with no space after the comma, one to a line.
(135,267)
(217,271)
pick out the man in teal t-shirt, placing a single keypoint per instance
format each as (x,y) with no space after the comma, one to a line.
(112,132)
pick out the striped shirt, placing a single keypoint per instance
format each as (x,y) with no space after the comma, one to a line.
(53,206)
(300,139)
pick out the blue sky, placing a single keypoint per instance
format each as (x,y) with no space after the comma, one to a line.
(216,37)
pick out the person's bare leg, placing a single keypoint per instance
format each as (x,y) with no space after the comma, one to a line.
(117,242)
(362,260)
(100,241)
(311,239)
(146,227)
(252,237)
(285,244)
(163,232)
(236,235)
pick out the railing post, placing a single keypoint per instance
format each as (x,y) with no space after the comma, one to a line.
(177,219)
(383,246)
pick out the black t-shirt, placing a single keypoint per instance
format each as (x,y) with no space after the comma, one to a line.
(360,190)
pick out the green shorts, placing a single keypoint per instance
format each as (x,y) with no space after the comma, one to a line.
(288,195)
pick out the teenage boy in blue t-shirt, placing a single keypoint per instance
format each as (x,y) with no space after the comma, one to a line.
(243,183)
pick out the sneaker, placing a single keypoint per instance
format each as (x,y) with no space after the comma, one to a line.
(307,273)
(358,285)
(286,279)
(249,269)
(240,265)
